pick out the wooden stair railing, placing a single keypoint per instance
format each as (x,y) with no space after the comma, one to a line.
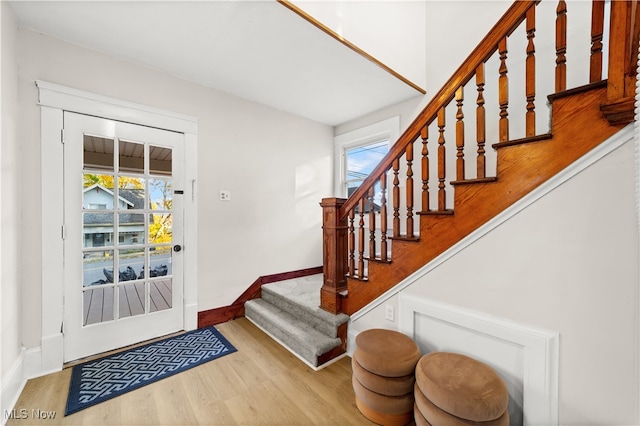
(348,223)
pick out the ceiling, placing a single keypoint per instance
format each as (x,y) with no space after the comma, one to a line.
(257,50)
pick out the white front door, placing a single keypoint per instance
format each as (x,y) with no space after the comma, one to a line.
(123,226)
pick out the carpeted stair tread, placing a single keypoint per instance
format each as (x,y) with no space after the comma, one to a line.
(299,337)
(301,298)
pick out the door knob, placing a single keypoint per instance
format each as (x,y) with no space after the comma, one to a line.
(177,248)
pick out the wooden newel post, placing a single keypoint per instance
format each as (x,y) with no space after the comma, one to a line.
(624,33)
(334,241)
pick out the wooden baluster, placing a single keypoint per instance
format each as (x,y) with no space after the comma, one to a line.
(424,134)
(480,123)
(561,46)
(361,240)
(597,30)
(531,74)
(383,217)
(396,198)
(409,189)
(352,243)
(442,162)
(503,92)
(460,134)
(372,224)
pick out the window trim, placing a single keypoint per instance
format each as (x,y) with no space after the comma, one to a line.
(388,129)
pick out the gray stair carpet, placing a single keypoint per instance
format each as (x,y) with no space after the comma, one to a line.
(289,311)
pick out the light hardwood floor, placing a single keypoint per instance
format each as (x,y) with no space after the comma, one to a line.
(260,384)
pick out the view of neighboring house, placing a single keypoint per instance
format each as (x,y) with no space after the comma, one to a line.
(98,227)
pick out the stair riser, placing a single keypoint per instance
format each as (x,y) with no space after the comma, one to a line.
(299,312)
(269,326)
(301,339)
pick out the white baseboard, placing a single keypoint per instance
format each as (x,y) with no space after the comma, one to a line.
(32,363)
(29,365)
(190,316)
(52,353)
(12,384)
(351,339)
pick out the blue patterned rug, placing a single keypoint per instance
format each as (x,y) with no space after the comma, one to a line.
(105,378)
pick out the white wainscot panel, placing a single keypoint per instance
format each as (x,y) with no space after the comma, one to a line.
(525,358)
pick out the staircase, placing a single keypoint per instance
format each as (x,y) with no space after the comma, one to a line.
(289,311)
(436,185)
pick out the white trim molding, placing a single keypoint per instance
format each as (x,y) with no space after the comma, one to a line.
(54,100)
(27,366)
(12,384)
(526,358)
(82,102)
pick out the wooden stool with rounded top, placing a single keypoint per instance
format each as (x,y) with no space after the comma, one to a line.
(457,390)
(384,376)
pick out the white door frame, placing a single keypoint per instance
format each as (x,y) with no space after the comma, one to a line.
(54,100)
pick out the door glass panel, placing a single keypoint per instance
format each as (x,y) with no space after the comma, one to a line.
(160,295)
(131,264)
(131,299)
(160,160)
(131,193)
(98,153)
(160,261)
(160,228)
(97,229)
(127,207)
(98,191)
(97,305)
(160,194)
(97,268)
(131,228)
(131,157)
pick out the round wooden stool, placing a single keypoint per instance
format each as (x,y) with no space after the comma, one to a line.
(384,376)
(458,390)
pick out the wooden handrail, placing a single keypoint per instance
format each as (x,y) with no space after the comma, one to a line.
(356,261)
(511,19)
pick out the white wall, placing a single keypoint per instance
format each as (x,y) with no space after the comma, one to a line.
(407,111)
(567,263)
(391,32)
(453,29)
(10,347)
(276,165)
(424,41)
